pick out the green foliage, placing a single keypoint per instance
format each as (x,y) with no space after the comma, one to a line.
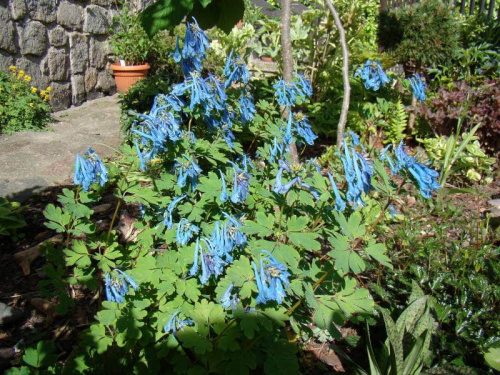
(10,219)
(167,14)
(424,34)
(128,40)
(22,106)
(469,164)
(450,252)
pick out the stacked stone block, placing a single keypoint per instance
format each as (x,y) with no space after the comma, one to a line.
(60,43)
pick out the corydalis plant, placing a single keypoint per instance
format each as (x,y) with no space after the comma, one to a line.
(89,169)
(117,285)
(372,75)
(418,87)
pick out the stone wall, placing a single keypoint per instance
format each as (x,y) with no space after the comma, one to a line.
(60,43)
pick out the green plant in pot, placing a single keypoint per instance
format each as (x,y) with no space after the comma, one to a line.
(132,46)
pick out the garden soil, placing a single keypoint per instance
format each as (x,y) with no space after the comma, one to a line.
(32,161)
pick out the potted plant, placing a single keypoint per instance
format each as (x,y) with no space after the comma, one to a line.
(132,46)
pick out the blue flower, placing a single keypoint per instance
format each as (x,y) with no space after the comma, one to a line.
(425,177)
(281,188)
(175,324)
(185,231)
(187,169)
(177,54)
(168,220)
(217,94)
(247,108)
(196,43)
(235,70)
(358,172)
(117,284)
(241,184)
(239,238)
(276,150)
(372,75)
(200,90)
(285,93)
(303,85)
(339,202)
(418,87)
(271,280)
(223,195)
(89,169)
(303,128)
(228,299)
(287,136)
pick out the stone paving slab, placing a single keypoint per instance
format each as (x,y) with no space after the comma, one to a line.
(32,161)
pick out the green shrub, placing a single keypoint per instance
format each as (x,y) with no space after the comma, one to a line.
(423,34)
(22,106)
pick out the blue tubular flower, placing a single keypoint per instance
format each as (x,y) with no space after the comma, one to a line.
(247,108)
(303,128)
(117,284)
(240,184)
(195,46)
(339,202)
(425,177)
(185,231)
(281,188)
(223,195)
(372,75)
(418,87)
(175,324)
(217,94)
(285,92)
(246,162)
(235,70)
(193,271)
(384,156)
(89,169)
(358,172)
(271,280)
(167,220)
(303,85)
(187,169)
(239,238)
(229,300)
(276,150)
(198,88)
(177,54)
(211,263)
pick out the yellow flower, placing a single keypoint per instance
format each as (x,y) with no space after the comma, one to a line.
(27,78)
(12,68)
(48,89)
(20,74)
(43,92)
(34,90)
(32,105)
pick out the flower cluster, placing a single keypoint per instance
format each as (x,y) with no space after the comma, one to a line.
(235,70)
(358,171)
(186,169)
(272,279)
(290,93)
(167,215)
(241,179)
(372,75)
(425,177)
(230,300)
(185,231)
(418,87)
(281,188)
(175,324)
(117,284)
(194,50)
(225,238)
(89,169)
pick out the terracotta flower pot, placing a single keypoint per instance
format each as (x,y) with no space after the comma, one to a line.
(126,76)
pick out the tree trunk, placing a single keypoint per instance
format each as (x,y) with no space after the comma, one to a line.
(286,53)
(345,74)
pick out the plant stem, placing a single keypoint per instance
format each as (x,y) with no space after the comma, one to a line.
(345,73)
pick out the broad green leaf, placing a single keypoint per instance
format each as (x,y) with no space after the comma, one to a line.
(240,363)
(377,251)
(346,259)
(492,358)
(352,299)
(164,15)
(281,359)
(191,339)
(297,224)
(306,241)
(43,355)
